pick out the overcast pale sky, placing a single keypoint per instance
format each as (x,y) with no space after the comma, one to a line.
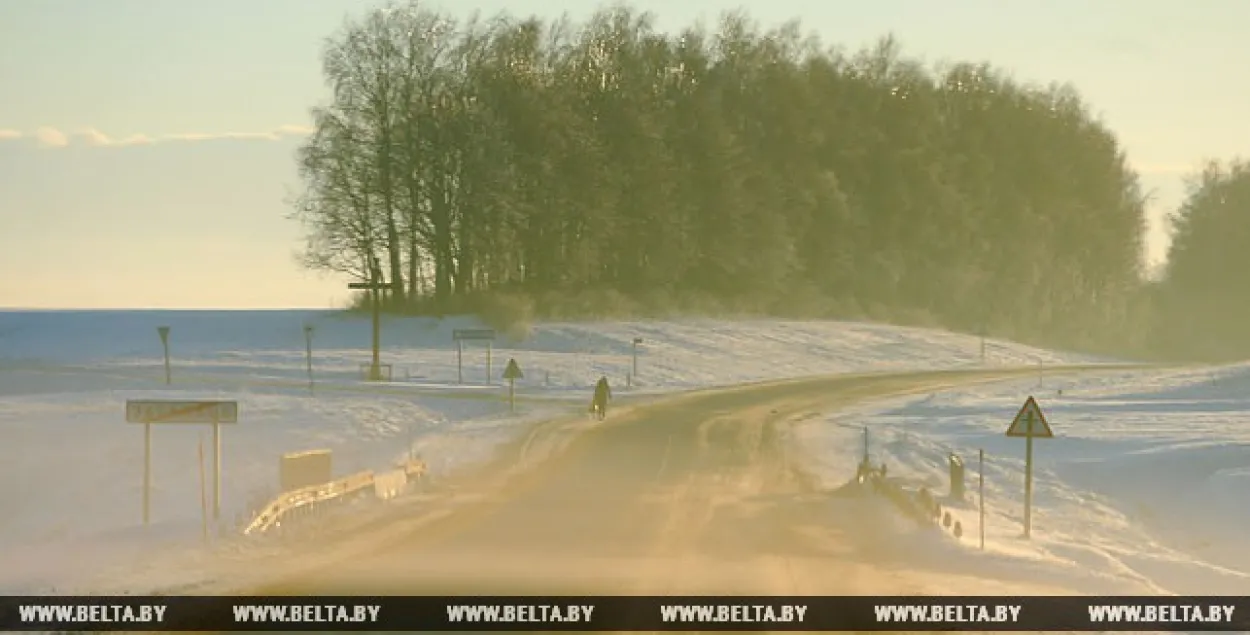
(146,146)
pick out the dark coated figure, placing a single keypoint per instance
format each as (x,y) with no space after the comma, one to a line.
(603,394)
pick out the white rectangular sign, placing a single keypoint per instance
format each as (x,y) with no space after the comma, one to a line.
(162,411)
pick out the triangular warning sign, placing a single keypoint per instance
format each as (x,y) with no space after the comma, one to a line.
(513,371)
(1030,422)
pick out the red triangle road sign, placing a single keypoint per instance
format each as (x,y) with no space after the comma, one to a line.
(513,371)
(1030,422)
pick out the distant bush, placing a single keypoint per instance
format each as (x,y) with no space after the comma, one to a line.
(511,314)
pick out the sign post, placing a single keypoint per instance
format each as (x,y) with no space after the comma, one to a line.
(147,472)
(149,412)
(865,445)
(981,493)
(637,341)
(163,331)
(1029,423)
(462,335)
(308,335)
(375,287)
(217,464)
(203,493)
(512,373)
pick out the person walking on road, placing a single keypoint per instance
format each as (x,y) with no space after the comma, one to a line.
(599,404)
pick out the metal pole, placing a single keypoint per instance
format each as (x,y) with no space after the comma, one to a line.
(216,468)
(635,367)
(308,335)
(865,445)
(147,472)
(164,333)
(203,492)
(981,493)
(1028,479)
(375,369)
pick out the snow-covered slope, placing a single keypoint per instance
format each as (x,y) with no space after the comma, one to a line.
(71,468)
(673,355)
(1144,489)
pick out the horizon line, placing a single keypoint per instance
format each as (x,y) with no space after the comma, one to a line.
(17,309)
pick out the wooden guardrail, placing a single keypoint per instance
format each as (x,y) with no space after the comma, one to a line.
(304,498)
(288,502)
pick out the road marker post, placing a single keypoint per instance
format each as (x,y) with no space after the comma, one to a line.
(981,493)
(1029,423)
(151,411)
(460,336)
(512,373)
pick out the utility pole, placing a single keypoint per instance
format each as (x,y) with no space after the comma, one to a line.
(375,286)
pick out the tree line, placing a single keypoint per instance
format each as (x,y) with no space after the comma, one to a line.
(549,167)
(1202,304)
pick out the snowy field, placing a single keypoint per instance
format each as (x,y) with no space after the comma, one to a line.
(1144,489)
(71,480)
(268,347)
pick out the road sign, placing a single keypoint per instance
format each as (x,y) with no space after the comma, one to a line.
(513,371)
(371,286)
(1030,422)
(150,411)
(473,334)
(162,411)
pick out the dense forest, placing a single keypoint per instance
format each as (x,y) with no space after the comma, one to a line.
(525,168)
(1202,305)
